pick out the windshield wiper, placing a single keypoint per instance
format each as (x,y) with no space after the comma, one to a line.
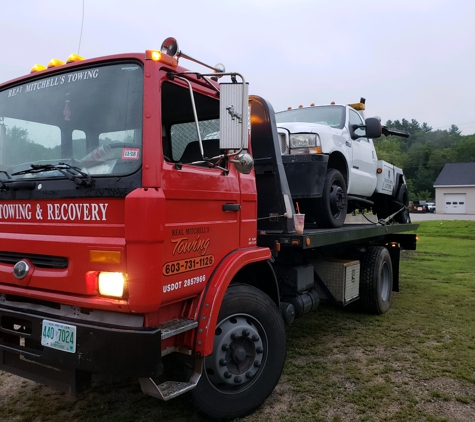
(75,174)
(3,186)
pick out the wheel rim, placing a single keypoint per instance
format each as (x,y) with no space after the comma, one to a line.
(240,351)
(337,200)
(385,282)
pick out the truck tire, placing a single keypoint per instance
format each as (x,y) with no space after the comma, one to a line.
(248,356)
(376,280)
(401,199)
(330,210)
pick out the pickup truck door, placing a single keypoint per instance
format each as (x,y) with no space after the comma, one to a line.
(363,165)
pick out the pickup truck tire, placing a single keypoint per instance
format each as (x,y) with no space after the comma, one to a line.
(248,356)
(330,210)
(376,280)
(401,200)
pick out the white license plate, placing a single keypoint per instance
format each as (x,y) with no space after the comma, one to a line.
(58,336)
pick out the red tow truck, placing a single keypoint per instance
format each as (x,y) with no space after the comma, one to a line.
(146,229)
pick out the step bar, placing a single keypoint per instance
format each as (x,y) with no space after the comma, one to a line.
(170,389)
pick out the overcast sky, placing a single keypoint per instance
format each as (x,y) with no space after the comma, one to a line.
(412,59)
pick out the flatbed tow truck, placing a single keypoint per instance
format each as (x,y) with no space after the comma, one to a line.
(147,230)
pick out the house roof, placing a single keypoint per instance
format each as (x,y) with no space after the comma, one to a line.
(456,174)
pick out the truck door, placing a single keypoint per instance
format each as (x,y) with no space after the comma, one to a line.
(203,207)
(363,168)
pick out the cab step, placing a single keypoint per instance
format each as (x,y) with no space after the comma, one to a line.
(176,326)
(169,389)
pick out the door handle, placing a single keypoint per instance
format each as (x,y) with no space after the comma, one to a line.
(231,207)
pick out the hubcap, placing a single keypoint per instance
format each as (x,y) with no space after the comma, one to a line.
(238,355)
(337,200)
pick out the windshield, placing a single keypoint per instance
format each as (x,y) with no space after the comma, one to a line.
(89,120)
(333,116)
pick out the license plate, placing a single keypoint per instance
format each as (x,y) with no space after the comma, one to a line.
(58,336)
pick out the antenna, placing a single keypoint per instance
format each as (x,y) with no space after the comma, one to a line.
(82,24)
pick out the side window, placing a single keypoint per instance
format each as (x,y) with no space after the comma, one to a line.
(355,119)
(179,132)
(184,140)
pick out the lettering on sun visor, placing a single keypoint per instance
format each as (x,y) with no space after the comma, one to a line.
(54,212)
(57,80)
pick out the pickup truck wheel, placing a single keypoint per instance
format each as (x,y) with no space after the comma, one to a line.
(376,280)
(401,199)
(248,356)
(330,210)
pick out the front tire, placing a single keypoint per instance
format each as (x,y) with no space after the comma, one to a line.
(376,280)
(330,210)
(248,356)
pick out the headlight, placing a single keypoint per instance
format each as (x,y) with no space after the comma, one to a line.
(303,140)
(305,143)
(111,284)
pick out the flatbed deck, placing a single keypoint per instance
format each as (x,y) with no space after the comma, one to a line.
(349,233)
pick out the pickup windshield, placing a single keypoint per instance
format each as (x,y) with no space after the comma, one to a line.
(333,116)
(83,123)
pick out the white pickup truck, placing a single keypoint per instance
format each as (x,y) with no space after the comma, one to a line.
(332,167)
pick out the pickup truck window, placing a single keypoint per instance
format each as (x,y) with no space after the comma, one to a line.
(355,119)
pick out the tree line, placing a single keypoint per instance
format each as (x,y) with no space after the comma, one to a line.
(423,155)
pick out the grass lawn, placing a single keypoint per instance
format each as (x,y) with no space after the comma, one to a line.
(414,363)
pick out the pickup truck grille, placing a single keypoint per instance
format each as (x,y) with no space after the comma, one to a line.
(41,261)
(283,143)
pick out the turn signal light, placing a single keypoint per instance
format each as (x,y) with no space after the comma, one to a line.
(105,257)
(158,56)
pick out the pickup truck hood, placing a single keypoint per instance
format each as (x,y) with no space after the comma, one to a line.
(303,127)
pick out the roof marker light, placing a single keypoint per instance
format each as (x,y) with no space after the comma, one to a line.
(158,56)
(74,58)
(37,68)
(54,63)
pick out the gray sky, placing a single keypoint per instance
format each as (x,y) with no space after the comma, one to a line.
(412,59)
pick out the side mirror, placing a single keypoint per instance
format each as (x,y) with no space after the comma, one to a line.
(372,128)
(243,162)
(234,116)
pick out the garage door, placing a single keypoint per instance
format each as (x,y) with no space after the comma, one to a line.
(454,203)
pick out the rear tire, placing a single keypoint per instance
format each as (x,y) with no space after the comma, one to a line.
(247,359)
(376,280)
(401,200)
(330,210)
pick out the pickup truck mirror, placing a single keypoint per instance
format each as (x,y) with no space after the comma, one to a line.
(372,126)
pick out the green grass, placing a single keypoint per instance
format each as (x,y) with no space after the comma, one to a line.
(414,363)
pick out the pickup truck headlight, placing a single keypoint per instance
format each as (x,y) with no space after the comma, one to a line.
(305,143)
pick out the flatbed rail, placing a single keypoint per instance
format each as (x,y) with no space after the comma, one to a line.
(349,233)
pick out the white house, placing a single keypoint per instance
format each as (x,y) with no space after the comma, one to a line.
(455,189)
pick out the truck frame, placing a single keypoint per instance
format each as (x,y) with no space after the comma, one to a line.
(146,229)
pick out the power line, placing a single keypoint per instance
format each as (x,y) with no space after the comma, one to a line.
(82,24)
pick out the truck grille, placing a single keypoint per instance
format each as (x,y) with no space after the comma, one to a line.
(41,261)
(283,143)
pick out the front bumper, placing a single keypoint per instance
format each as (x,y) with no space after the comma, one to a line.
(99,349)
(306,174)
